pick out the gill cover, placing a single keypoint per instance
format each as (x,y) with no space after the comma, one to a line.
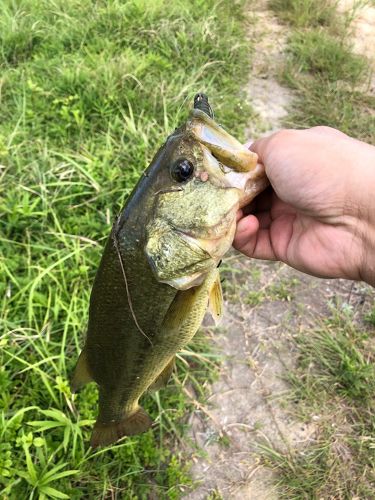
(190,232)
(176,259)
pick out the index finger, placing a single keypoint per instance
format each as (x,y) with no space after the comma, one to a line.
(263,147)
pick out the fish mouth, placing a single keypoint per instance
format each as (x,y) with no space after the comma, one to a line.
(228,162)
(223,146)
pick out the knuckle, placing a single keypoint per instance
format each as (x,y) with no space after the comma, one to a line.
(322,128)
(281,138)
(285,134)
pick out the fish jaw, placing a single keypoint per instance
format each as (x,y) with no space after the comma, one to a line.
(250,184)
(222,145)
(226,161)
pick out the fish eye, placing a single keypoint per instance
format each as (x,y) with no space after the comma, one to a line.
(182,170)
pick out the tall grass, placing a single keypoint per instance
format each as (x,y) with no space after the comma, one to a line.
(88,91)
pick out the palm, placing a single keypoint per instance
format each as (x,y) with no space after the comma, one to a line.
(277,231)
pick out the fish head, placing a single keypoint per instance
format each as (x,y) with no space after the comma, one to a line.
(204,176)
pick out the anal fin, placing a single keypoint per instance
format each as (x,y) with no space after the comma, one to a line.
(81,374)
(162,379)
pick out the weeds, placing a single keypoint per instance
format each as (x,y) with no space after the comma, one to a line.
(324,71)
(334,386)
(320,53)
(329,104)
(370,317)
(342,360)
(304,13)
(328,469)
(89,90)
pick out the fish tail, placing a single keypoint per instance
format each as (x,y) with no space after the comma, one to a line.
(104,434)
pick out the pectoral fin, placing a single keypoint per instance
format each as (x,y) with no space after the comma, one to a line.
(81,374)
(162,380)
(215,301)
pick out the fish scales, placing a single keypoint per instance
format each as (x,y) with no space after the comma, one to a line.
(159,270)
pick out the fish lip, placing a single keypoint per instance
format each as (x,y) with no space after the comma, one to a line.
(222,145)
(250,184)
(229,163)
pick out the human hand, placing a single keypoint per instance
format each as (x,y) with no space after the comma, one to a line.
(319,214)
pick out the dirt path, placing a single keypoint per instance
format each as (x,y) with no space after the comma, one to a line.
(363,27)
(241,410)
(268,98)
(246,406)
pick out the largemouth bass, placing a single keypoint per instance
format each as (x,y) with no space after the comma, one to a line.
(159,269)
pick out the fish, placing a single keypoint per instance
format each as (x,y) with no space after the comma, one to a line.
(159,273)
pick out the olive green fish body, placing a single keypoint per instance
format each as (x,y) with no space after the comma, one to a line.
(122,360)
(159,268)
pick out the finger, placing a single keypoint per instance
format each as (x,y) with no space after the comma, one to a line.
(246,228)
(252,241)
(256,246)
(323,130)
(273,148)
(260,147)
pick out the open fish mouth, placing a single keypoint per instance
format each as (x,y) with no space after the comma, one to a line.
(223,146)
(227,162)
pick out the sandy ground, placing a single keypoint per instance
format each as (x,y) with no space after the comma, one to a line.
(363,27)
(247,403)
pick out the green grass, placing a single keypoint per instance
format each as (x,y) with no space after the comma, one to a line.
(322,103)
(303,13)
(343,359)
(370,316)
(88,92)
(327,469)
(333,386)
(331,82)
(320,53)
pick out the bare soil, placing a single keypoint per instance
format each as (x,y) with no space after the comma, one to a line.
(363,27)
(248,406)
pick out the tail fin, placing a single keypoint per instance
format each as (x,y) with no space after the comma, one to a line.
(104,434)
